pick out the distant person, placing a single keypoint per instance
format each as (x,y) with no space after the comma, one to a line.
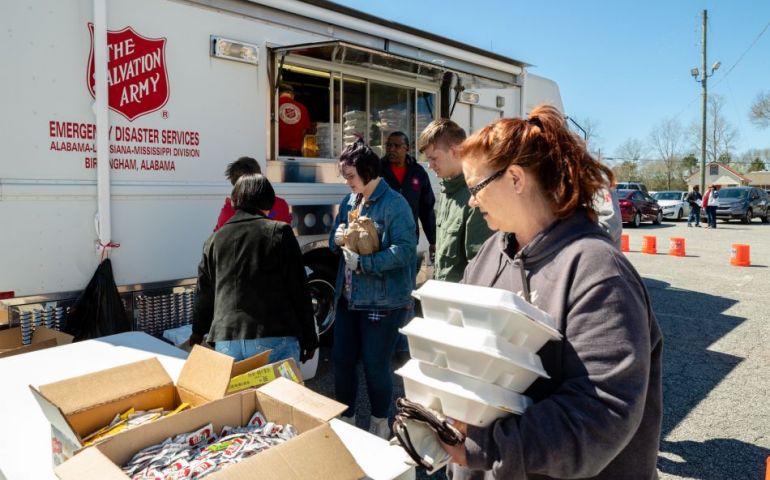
(693,199)
(460,229)
(404,175)
(407,177)
(710,203)
(242,166)
(373,293)
(293,122)
(252,292)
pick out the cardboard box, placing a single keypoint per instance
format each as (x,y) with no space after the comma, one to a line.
(316,453)
(81,405)
(11,344)
(263,375)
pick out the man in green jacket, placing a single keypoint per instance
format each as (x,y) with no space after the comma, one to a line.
(460,229)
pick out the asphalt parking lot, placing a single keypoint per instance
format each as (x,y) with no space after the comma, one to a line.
(716,324)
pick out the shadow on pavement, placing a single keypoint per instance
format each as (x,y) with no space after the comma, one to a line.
(652,226)
(717,458)
(691,322)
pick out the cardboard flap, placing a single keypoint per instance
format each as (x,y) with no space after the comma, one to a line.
(206,373)
(10,338)
(106,386)
(302,398)
(43,334)
(318,453)
(251,363)
(55,416)
(89,463)
(51,342)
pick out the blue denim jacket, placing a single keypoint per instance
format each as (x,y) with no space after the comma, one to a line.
(386,279)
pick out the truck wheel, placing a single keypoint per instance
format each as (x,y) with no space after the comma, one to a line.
(321,286)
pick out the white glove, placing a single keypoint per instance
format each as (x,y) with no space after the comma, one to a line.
(351,259)
(426,444)
(339,235)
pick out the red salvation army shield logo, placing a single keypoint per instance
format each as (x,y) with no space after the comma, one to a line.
(136,72)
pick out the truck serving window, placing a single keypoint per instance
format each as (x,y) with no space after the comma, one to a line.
(328,95)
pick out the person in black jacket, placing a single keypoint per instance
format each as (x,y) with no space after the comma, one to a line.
(407,177)
(252,292)
(693,198)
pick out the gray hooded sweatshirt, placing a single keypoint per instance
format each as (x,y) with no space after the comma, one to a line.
(599,415)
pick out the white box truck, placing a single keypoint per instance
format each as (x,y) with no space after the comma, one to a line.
(119,117)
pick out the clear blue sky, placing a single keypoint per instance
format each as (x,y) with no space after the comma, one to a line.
(626,65)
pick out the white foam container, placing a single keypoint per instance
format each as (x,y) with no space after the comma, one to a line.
(458,396)
(473,352)
(497,311)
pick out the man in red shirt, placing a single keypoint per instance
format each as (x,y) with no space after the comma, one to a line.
(293,122)
(243,166)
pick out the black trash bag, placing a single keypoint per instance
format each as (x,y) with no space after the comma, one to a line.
(98,311)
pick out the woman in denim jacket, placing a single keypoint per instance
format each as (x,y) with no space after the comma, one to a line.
(373,292)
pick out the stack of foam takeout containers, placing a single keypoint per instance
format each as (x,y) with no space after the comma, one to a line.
(475,351)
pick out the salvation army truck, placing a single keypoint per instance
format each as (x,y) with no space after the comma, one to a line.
(118,119)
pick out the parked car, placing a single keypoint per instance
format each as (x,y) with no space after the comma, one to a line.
(637,206)
(673,204)
(631,186)
(743,203)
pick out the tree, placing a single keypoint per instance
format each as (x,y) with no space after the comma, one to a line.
(690,163)
(632,149)
(754,159)
(626,171)
(760,110)
(629,153)
(757,165)
(720,134)
(667,140)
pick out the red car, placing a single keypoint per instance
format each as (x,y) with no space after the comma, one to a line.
(637,206)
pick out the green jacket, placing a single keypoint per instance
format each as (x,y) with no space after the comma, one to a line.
(460,230)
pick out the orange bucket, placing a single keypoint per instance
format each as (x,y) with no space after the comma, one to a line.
(676,247)
(649,244)
(624,243)
(740,255)
(767,470)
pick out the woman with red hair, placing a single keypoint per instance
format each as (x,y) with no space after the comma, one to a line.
(599,413)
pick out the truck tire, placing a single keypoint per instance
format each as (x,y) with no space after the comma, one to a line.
(321,286)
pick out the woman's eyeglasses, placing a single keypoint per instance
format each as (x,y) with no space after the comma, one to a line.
(480,186)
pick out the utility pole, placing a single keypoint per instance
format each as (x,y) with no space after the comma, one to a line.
(704,75)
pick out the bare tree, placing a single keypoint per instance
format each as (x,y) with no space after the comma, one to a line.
(760,110)
(720,133)
(667,141)
(632,149)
